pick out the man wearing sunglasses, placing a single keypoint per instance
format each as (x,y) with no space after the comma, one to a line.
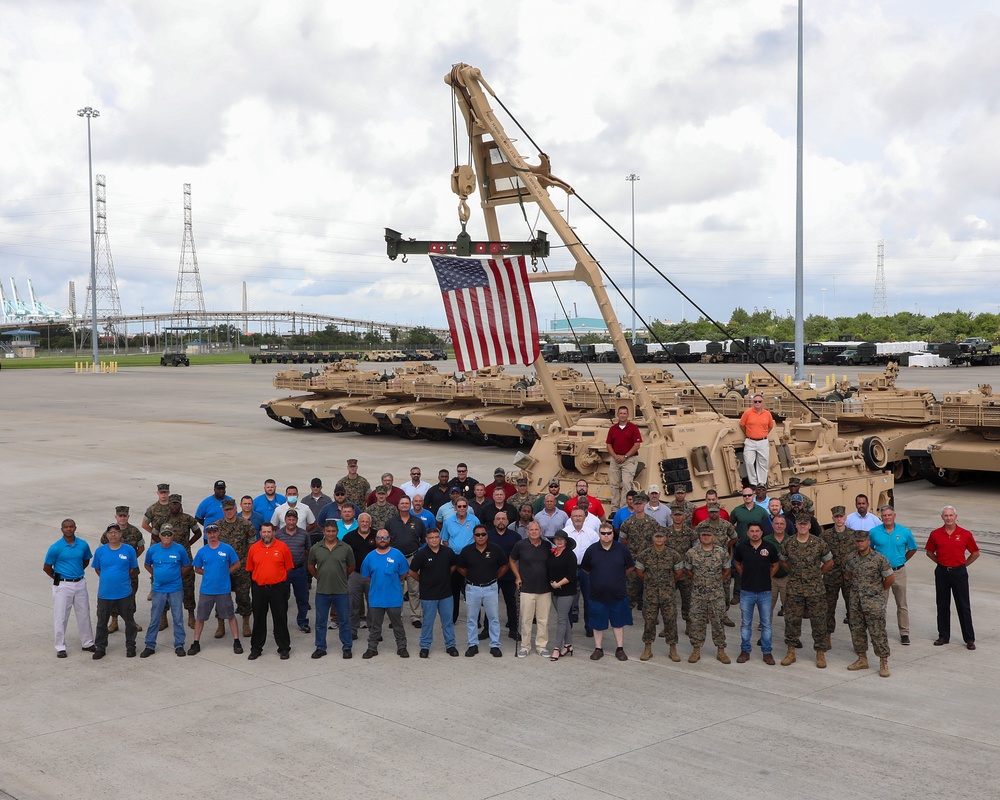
(756,423)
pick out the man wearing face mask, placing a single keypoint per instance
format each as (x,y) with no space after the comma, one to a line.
(307,520)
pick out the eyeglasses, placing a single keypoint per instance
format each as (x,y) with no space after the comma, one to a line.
(607,533)
(414,474)
(479,535)
(747,495)
(381,538)
(757,402)
(461,507)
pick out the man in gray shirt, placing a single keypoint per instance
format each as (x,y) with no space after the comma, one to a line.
(550,518)
(299,543)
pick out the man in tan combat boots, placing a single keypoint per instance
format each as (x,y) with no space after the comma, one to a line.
(870,575)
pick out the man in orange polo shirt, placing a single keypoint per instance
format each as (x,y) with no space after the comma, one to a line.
(268,562)
(756,423)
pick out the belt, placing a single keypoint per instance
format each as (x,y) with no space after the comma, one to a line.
(298,566)
(761,439)
(896,569)
(72,580)
(483,585)
(410,555)
(960,566)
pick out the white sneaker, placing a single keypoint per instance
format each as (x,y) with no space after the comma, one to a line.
(544,653)
(332,626)
(522,653)
(363,624)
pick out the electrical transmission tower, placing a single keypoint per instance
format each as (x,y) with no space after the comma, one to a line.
(188,296)
(880,305)
(109,306)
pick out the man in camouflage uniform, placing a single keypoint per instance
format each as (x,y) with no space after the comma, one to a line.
(133,536)
(356,485)
(708,570)
(637,534)
(681,538)
(795,487)
(870,576)
(154,517)
(380,511)
(725,537)
(522,495)
(840,540)
(659,567)
(681,502)
(808,559)
(239,534)
(186,533)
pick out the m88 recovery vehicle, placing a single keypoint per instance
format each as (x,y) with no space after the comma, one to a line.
(702,450)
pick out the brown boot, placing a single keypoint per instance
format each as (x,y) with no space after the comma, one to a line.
(113,625)
(673,653)
(246,626)
(191,620)
(883,667)
(821,659)
(789,658)
(221,630)
(723,657)
(647,653)
(695,656)
(138,627)
(163,621)
(861,663)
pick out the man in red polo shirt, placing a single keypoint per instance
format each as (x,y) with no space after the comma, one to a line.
(268,562)
(756,423)
(623,444)
(947,547)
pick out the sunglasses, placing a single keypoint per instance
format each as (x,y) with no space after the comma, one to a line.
(607,533)
(479,535)
(381,538)
(747,495)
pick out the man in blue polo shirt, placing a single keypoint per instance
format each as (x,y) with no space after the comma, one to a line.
(215,562)
(210,509)
(384,568)
(115,564)
(265,504)
(167,562)
(897,544)
(65,563)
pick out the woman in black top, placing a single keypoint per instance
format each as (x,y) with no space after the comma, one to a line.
(561,569)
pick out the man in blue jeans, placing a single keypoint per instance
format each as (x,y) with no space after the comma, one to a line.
(482,563)
(298,543)
(330,562)
(167,563)
(432,566)
(756,562)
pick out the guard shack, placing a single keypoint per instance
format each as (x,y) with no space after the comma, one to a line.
(20,343)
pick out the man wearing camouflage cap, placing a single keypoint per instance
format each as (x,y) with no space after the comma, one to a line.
(659,568)
(840,539)
(239,534)
(637,535)
(807,558)
(131,536)
(870,576)
(522,495)
(357,486)
(681,502)
(156,515)
(794,487)
(381,510)
(725,536)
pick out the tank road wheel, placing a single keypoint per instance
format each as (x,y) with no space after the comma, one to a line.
(875,454)
(898,470)
(834,397)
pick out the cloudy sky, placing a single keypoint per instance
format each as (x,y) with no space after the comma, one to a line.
(306,127)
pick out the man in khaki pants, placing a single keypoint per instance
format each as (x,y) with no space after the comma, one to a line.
(528,562)
(624,440)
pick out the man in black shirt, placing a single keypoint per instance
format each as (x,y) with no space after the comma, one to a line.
(756,562)
(498,504)
(406,532)
(438,495)
(529,562)
(362,542)
(432,566)
(482,563)
(464,481)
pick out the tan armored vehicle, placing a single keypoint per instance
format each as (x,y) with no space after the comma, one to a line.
(680,445)
(968,439)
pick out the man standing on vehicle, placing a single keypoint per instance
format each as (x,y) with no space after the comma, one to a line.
(756,423)
(623,442)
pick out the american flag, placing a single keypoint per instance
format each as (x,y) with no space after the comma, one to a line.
(490,311)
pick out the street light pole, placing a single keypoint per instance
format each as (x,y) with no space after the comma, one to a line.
(632,178)
(90,113)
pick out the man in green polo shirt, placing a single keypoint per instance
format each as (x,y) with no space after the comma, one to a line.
(330,561)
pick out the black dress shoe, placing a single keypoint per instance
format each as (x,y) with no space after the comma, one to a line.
(284,656)
(402,652)
(305,629)
(472,651)
(147,653)
(417,623)
(237,647)
(424,652)
(348,654)
(317,653)
(970,645)
(370,654)
(60,654)
(904,639)
(940,641)
(98,655)
(254,655)
(194,649)
(180,652)
(129,652)
(90,649)
(452,651)
(496,652)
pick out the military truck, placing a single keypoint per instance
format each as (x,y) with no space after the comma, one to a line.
(174,356)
